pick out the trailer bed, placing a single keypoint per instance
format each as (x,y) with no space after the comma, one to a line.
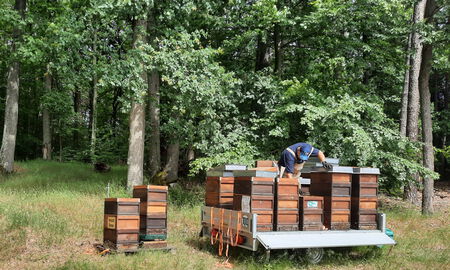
(222,219)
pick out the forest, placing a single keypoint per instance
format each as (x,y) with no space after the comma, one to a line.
(173,88)
(160,92)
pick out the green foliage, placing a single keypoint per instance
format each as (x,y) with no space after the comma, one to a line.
(338,85)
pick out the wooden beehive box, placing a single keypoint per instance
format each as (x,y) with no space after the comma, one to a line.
(253,203)
(257,204)
(337,219)
(254,186)
(337,213)
(331,184)
(219,192)
(364,198)
(151,193)
(286,204)
(311,213)
(305,186)
(264,163)
(121,224)
(153,219)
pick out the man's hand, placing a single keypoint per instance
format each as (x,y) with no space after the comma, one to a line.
(327,165)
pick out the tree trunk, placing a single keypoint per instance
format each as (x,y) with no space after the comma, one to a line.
(404,109)
(94,102)
(262,54)
(136,146)
(412,128)
(173,155)
(427,127)
(46,131)
(155,143)
(427,130)
(154,159)
(12,102)
(76,109)
(190,154)
(278,69)
(137,119)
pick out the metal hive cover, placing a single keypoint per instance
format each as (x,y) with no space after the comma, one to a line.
(366,170)
(335,169)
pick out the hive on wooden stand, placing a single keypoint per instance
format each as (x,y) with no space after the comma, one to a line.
(153,213)
(286,204)
(311,213)
(121,224)
(364,198)
(335,186)
(254,192)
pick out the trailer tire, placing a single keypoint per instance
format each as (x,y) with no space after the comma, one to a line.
(314,255)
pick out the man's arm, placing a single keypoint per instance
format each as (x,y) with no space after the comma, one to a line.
(322,159)
(321,156)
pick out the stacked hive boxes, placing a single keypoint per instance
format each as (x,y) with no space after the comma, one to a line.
(311,213)
(286,204)
(153,213)
(335,186)
(121,224)
(254,192)
(364,198)
(220,186)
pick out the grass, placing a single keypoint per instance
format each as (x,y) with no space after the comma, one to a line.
(51,215)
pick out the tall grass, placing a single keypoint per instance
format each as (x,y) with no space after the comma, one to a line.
(51,214)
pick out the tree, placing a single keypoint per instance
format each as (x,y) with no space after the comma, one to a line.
(46,130)
(137,114)
(12,100)
(412,126)
(427,128)
(154,159)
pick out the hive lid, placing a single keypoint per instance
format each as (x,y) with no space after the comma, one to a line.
(132,200)
(219,173)
(255,173)
(329,160)
(151,187)
(335,169)
(229,167)
(366,170)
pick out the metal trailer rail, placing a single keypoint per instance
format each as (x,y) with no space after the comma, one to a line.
(222,219)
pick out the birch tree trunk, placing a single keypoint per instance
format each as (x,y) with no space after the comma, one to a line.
(412,128)
(12,102)
(46,131)
(137,118)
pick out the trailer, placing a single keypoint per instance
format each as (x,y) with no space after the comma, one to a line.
(239,228)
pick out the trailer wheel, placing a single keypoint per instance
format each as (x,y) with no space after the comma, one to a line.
(314,255)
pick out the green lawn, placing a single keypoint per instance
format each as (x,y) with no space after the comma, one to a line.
(51,215)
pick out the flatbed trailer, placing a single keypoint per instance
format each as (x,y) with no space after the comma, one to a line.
(240,229)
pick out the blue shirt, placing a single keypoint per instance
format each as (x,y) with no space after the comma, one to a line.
(288,160)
